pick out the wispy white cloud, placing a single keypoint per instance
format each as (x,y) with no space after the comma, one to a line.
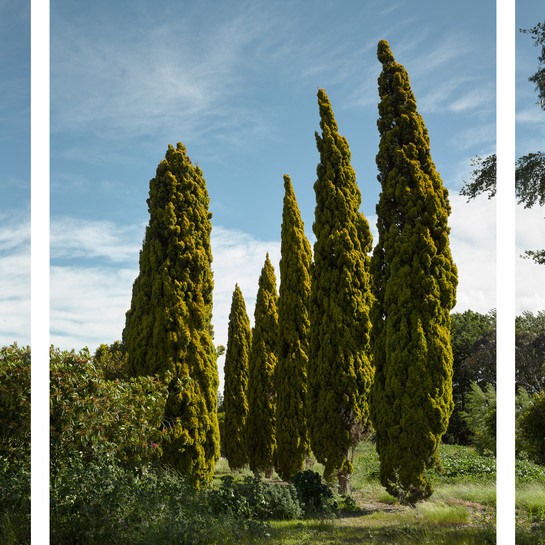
(15,274)
(473,247)
(530,277)
(88,302)
(475,138)
(74,237)
(137,79)
(88,305)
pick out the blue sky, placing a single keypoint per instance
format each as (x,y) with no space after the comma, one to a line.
(236,82)
(15,178)
(530,137)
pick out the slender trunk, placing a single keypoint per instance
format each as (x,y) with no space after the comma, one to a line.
(344,483)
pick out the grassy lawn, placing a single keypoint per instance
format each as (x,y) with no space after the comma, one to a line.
(462,509)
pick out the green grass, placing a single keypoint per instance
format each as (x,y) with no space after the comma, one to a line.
(461,510)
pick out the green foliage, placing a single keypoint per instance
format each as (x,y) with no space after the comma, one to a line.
(414,280)
(532,323)
(531,424)
(252,498)
(480,416)
(314,495)
(239,338)
(483,178)
(261,421)
(472,339)
(221,425)
(530,361)
(99,419)
(464,463)
(112,361)
(107,504)
(168,327)
(293,444)
(528,472)
(14,499)
(340,368)
(15,404)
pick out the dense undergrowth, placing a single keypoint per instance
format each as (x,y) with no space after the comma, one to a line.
(108,484)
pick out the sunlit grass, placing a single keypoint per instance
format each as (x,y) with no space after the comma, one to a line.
(484,494)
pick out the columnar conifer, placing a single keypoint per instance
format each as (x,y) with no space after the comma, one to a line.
(340,368)
(168,327)
(292,440)
(235,397)
(415,287)
(261,421)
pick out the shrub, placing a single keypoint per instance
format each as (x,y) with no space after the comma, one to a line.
(15,404)
(14,502)
(103,419)
(528,472)
(14,445)
(252,498)
(110,504)
(480,417)
(112,361)
(463,462)
(532,429)
(314,495)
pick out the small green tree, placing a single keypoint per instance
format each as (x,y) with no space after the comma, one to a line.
(415,283)
(340,368)
(112,359)
(235,398)
(480,416)
(469,330)
(531,425)
(261,420)
(293,444)
(168,327)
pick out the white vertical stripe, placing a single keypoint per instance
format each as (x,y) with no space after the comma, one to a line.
(39,324)
(505,135)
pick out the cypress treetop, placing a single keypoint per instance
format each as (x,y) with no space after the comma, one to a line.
(168,327)
(293,444)
(261,421)
(235,398)
(340,367)
(414,281)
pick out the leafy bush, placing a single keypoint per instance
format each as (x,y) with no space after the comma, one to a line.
(110,504)
(252,498)
(103,419)
(112,361)
(464,462)
(314,495)
(15,404)
(14,445)
(531,424)
(480,417)
(14,502)
(528,472)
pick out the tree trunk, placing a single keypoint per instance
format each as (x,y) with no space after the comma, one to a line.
(344,483)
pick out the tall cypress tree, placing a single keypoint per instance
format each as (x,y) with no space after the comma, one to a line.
(340,370)
(168,327)
(293,444)
(235,397)
(415,283)
(261,421)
